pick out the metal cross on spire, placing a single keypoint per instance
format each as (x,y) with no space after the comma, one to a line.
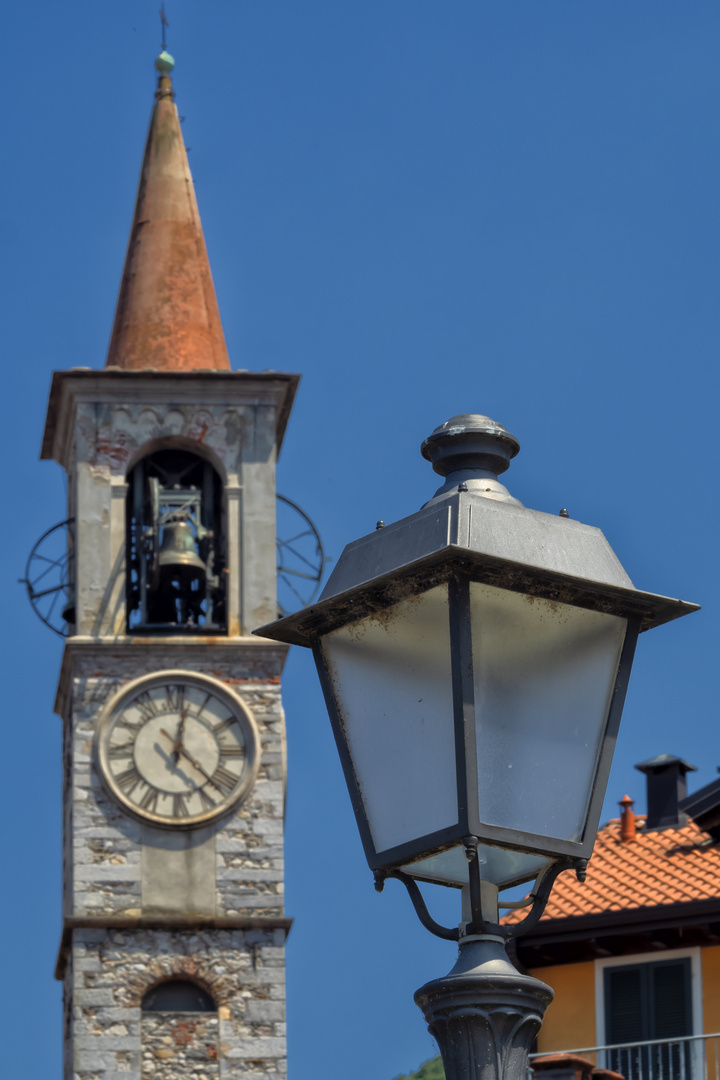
(165,24)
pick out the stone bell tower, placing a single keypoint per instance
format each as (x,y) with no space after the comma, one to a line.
(172,950)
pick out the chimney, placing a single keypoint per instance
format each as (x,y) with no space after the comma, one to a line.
(666,788)
(627,821)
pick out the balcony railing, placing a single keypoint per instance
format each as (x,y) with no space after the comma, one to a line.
(692,1057)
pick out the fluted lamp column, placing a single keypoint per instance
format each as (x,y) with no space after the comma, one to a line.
(474,658)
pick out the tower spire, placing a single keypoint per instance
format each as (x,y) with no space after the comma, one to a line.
(167,315)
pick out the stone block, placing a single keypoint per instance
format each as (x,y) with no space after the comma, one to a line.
(267,827)
(131,1073)
(248,874)
(255,1048)
(106,1042)
(264,1011)
(124,872)
(93,998)
(94,1061)
(86,963)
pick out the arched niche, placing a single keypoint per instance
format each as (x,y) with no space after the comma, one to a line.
(176,540)
(178,995)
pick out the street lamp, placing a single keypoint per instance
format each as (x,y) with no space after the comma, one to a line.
(474,659)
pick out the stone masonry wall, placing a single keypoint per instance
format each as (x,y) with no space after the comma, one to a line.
(110,972)
(179,1043)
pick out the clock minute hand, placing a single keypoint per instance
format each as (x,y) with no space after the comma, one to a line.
(178,743)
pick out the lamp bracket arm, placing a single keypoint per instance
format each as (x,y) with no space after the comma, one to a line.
(418,902)
(540,896)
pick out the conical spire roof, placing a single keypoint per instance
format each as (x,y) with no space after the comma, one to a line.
(167,315)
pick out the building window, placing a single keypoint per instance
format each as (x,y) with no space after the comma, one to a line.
(649,1003)
(176,578)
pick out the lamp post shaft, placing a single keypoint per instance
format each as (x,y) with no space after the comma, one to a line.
(484,1015)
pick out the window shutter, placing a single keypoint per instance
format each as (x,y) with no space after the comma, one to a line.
(625,1009)
(670,992)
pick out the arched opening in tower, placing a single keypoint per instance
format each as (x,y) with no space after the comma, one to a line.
(175,544)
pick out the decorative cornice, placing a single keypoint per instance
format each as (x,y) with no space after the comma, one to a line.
(229,388)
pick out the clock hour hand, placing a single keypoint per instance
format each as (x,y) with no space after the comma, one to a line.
(193,761)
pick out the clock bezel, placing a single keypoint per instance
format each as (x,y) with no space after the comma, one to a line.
(229,698)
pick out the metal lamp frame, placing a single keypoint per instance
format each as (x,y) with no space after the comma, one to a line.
(457,567)
(469,829)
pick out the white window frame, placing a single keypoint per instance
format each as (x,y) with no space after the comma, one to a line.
(696,1009)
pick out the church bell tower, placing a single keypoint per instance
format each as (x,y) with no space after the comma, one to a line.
(172,950)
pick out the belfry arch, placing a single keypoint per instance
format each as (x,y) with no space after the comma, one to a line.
(176,544)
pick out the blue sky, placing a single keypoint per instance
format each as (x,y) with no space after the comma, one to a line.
(425,208)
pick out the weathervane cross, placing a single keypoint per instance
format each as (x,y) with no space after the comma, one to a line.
(164,23)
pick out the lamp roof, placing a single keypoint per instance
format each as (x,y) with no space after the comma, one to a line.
(473,525)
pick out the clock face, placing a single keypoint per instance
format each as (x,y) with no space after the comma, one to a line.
(177,749)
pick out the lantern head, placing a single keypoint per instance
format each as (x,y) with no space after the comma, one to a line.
(474,659)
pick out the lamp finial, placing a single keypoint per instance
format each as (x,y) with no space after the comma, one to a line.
(471,450)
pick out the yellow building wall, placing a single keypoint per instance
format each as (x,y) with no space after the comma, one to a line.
(710,957)
(570,1020)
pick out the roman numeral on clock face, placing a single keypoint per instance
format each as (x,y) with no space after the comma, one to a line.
(231,751)
(224,780)
(179,807)
(201,710)
(131,725)
(149,800)
(206,799)
(224,725)
(121,750)
(146,705)
(128,780)
(176,698)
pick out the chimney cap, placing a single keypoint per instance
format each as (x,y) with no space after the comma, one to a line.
(666,788)
(664,761)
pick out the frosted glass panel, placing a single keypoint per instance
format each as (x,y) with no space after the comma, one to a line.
(496,865)
(544,675)
(392,680)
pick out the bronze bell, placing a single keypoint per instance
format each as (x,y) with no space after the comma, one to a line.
(178,556)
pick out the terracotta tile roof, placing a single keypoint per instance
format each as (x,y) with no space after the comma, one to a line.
(668,866)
